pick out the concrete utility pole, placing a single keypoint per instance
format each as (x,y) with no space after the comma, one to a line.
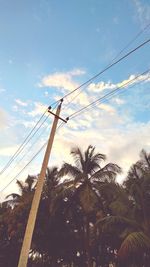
(37,195)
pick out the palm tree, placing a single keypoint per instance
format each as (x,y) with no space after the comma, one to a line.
(51,183)
(134,226)
(26,190)
(86,179)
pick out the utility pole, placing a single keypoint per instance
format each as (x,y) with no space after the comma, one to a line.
(37,195)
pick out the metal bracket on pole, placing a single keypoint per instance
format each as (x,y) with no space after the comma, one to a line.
(57,116)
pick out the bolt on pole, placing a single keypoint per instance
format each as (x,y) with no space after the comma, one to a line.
(37,196)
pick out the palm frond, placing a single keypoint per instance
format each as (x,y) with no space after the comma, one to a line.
(134,243)
(108,172)
(13,196)
(145,157)
(52,177)
(30,181)
(103,176)
(98,157)
(118,207)
(68,169)
(51,173)
(92,160)
(20,185)
(78,157)
(110,221)
(112,167)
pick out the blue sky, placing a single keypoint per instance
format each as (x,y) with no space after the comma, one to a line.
(48,48)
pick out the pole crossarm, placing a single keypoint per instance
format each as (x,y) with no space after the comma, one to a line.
(64,120)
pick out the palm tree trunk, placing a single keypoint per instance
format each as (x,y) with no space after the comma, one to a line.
(146,221)
(87,242)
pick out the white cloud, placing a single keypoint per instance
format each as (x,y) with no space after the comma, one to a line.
(3,119)
(8,151)
(10,174)
(26,123)
(121,145)
(21,103)
(118,101)
(15,108)
(39,109)
(76,72)
(63,80)
(113,134)
(59,80)
(82,99)
(143,12)
(46,93)
(99,87)
(2,90)
(107,108)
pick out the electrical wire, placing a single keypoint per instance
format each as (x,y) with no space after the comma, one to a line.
(32,159)
(132,40)
(15,177)
(108,94)
(26,153)
(17,151)
(104,98)
(118,54)
(23,145)
(27,139)
(111,96)
(108,67)
(77,88)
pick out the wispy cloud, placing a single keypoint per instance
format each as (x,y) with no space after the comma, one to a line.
(118,101)
(97,87)
(8,151)
(112,132)
(101,86)
(2,90)
(62,80)
(107,108)
(38,109)
(21,103)
(143,11)
(121,144)
(3,118)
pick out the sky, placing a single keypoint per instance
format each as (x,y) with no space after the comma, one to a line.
(47,49)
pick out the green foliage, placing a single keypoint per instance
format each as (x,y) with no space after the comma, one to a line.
(84,217)
(134,243)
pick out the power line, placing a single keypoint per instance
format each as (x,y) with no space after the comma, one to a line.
(27,139)
(132,40)
(108,67)
(73,115)
(22,146)
(111,96)
(32,159)
(77,88)
(108,94)
(118,54)
(14,178)
(26,153)
(17,151)
(85,83)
